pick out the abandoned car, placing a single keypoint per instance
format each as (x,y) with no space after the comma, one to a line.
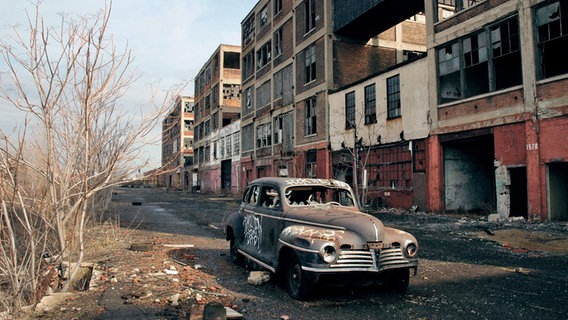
(311,231)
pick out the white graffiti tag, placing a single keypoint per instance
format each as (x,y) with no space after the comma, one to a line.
(313,234)
(252,230)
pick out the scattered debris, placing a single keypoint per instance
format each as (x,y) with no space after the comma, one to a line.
(489,232)
(258,277)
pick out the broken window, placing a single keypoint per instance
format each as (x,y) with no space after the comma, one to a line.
(278,43)
(350,110)
(393,97)
(248,105)
(310,110)
(447,8)
(552,29)
(188,107)
(470,66)
(311,163)
(370,104)
(248,65)
(231,91)
(278,130)
(248,30)
(263,16)
(188,124)
(263,135)
(263,55)
(506,54)
(475,64)
(310,15)
(277,6)
(310,63)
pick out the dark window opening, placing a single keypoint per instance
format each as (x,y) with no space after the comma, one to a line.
(350,110)
(552,28)
(231,60)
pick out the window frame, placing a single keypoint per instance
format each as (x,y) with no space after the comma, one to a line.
(310,63)
(370,104)
(310,116)
(350,110)
(309,16)
(393,97)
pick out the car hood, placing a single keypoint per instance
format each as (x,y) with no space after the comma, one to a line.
(333,217)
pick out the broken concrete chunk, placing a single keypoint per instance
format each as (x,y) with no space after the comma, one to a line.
(258,277)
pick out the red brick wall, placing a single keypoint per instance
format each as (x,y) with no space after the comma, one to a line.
(510,144)
(485,104)
(353,62)
(553,143)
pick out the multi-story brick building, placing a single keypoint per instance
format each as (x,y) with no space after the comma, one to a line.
(217,105)
(177,144)
(499,110)
(293,53)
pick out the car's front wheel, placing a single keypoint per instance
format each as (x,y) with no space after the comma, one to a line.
(297,285)
(397,281)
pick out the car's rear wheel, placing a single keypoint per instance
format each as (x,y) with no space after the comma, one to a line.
(397,281)
(297,284)
(236,257)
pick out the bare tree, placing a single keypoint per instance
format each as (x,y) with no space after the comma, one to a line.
(68,81)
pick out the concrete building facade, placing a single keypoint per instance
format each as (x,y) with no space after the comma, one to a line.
(499,110)
(217,105)
(177,144)
(293,54)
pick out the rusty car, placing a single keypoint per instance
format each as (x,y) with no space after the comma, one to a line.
(312,231)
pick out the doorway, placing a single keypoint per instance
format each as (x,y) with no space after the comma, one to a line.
(558,191)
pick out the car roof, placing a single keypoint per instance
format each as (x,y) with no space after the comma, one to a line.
(284,182)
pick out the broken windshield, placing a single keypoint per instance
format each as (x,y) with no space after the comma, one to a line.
(318,195)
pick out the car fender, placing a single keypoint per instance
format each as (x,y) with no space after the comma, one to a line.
(393,235)
(232,221)
(311,238)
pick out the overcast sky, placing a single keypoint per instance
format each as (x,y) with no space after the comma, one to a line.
(170,39)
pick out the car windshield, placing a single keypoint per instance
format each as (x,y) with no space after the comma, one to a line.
(318,195)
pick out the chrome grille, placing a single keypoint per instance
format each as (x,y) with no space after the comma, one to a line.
(354,259)
(390,256)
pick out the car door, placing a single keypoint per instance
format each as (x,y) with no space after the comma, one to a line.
(269,209)
(252,228)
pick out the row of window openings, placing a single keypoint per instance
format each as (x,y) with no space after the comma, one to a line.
(490,60)
(204,153)
(310,19)
(393,103)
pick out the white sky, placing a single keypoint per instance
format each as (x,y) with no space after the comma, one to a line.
(170,39)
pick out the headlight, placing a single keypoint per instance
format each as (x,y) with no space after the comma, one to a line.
(328,253)
(411,249)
